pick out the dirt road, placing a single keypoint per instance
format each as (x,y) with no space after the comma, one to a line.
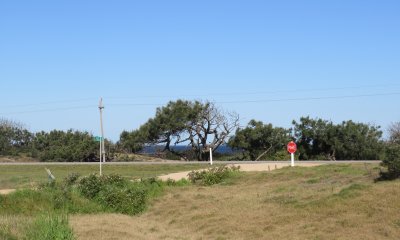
(245,167)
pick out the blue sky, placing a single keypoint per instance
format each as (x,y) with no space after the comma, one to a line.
(273,61)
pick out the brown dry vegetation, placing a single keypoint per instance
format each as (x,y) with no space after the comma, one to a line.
(324,202)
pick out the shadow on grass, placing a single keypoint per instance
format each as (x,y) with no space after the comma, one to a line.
(387,176)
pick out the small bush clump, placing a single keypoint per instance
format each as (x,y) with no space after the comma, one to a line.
(118,194)
(213,175)
(71,179)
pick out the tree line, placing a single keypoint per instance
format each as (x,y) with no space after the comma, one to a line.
(202,126)
(56,145)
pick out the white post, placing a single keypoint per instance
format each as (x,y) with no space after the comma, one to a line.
(292,159)
(211,156)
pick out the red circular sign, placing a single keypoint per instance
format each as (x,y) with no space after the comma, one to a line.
(292,147)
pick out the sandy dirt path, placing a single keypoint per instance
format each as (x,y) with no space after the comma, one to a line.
(6,191)
(245,167)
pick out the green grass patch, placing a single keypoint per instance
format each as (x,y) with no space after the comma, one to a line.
(320,186)
(50,227)
(351,191)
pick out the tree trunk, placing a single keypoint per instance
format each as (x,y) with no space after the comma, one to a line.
(262,154)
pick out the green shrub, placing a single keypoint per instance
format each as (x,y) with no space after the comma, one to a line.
(213,175)
(92,194)
(71,179)
(117,194)
(90,186)
(392,162)
(113,179)
(50,227)
(129,200)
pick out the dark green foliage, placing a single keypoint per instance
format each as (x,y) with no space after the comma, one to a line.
(169,122)
(14,138)
(118,194)
(259,140)
(391,162)
(65,146)
(321,139)
(71,179)
(132,142)
(213,175)
(91,194)
(127,200)
(90,186)
(49,146)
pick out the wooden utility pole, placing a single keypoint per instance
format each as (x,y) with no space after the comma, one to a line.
(102,149)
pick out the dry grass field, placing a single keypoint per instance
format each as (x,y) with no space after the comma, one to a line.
(323,202)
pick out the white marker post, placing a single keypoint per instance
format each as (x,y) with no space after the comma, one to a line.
(292,159)
(211,156)
(292,148)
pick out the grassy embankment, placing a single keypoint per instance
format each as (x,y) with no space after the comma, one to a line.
(30,215)
(42,213)
(324,202)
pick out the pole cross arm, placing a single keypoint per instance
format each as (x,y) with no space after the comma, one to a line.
(51,176)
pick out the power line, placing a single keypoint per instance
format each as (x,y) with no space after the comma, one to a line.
(218,102)
(314,98)
(259,92)
(47,103)
(49,110)
(270,100)
(205,95)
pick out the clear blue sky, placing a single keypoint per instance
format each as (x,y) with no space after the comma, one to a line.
(57,58)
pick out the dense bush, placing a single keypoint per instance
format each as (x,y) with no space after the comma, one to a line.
(127,200)
(71,179)
(118,194)
(259,141)
(318,138)
(213,175)
(65,146)
(14,138)
(392,162)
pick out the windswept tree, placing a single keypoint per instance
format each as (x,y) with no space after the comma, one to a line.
(258,140)
(201,126)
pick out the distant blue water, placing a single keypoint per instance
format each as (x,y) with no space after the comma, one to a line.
(224,149)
